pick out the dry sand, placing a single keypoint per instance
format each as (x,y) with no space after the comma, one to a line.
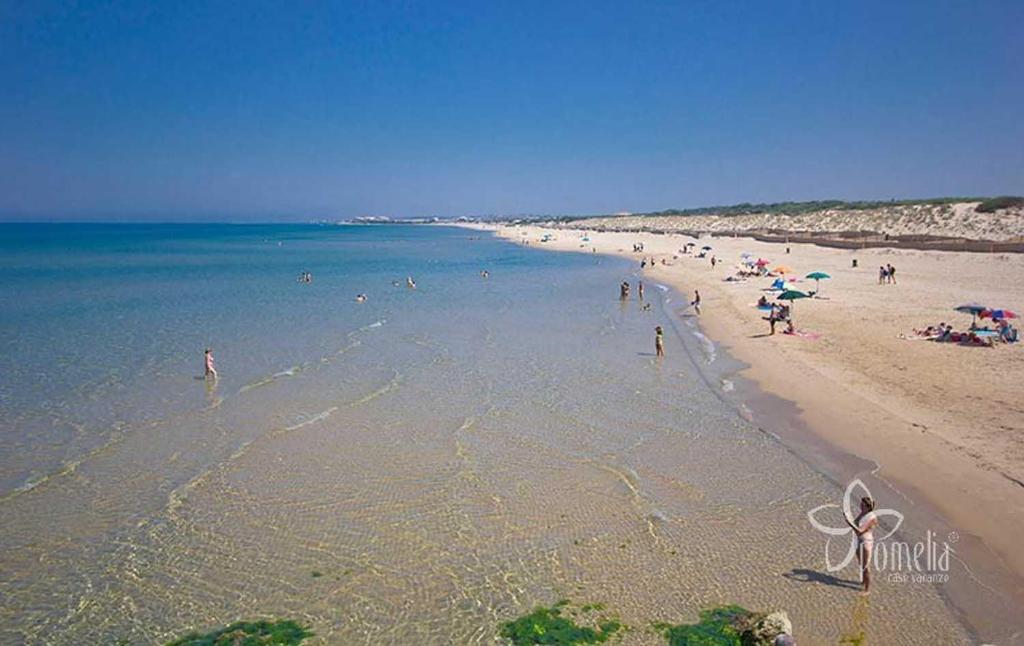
(943,421)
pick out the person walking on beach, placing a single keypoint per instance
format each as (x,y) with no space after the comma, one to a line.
(210,371)
(659,341)
(863,527)
(640,290)
(892,274)
(696,301)
(882,275)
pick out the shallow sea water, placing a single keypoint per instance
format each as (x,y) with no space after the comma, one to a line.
(445,458)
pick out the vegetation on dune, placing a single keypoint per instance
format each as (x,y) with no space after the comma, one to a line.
(996,203)
(249,633)
(800,208)
(550,626)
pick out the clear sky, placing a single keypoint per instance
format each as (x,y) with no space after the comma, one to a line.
(237,110)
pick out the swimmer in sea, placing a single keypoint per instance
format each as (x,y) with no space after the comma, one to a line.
(210,371)
(361,298)
(410,283)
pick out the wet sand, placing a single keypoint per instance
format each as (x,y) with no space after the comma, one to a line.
(939,424)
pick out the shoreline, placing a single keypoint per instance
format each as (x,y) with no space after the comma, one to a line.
(827,410)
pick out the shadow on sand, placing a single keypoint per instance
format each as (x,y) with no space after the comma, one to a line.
(804,575)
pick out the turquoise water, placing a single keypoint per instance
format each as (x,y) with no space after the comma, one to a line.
(104,325)
(446,457)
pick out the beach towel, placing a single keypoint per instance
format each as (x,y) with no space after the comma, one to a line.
(803,334)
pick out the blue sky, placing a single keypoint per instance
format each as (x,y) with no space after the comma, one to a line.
(251,110)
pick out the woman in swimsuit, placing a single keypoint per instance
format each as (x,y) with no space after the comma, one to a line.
(211,371)
(863,526)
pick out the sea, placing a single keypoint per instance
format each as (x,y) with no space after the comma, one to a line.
(418,468)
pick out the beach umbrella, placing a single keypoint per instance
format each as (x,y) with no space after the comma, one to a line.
(782,269)
(792,295)
(974,309)
(817,276)
(999,314)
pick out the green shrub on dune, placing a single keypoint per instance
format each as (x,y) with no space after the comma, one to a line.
(996,203)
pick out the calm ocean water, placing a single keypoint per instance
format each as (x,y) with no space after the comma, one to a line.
(443,458)
(104,325)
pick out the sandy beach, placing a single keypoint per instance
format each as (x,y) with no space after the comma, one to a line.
(942,422)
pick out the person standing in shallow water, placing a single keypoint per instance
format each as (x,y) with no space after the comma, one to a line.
(210,371)
(696,301)
(863,526)
(659,341)
(640,290)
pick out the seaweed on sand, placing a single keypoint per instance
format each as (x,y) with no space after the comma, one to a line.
(548,626)
(717,627)
(249,633)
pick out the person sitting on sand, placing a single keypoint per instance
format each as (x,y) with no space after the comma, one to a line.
(946,334)
(761,302)
(863,526)
(210,371)
(659,341)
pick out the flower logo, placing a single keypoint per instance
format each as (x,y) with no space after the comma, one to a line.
(851,494)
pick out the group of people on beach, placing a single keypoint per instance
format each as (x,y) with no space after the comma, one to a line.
(886,275)
(1004,332)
